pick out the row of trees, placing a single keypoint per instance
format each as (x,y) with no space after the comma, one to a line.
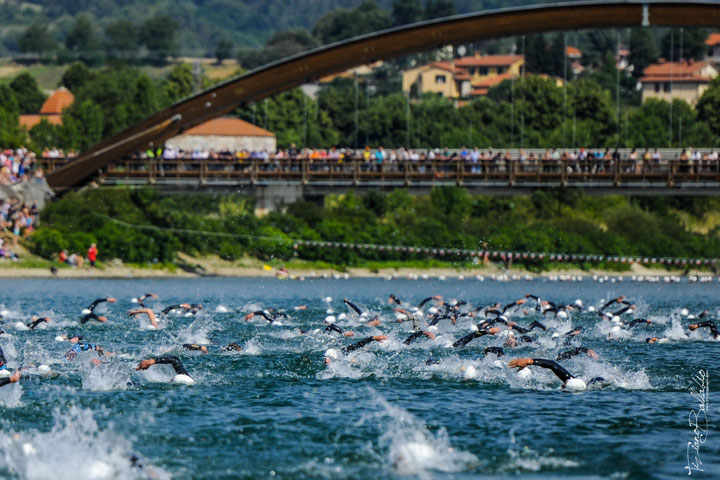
(528,112)
(548,220)
(121,39)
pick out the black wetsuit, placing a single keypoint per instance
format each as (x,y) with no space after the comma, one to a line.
(711,325)
(357,345)
(233,347)
(4,381)
(334,328)
(413,336)
(142,299)
(353,306)
(266,315)
(174,361)
(470,337)
(615,300)
(96,303)
(192,346)
(90,316)
(496,350)
(571,353)
(171,308)
(423,302)
(82,347)
(556,368)
(395,299)
(37,322)
(637,321)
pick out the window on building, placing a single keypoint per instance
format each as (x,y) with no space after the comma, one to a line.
(657,88)
(483,71)
(501,70)
(439,78)
(666,87)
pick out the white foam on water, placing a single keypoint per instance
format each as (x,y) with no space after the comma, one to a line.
(676,331)
(412,449)
(252,347)
(11,394)
(105,377)
(528,460)
(221,309)
(74,449)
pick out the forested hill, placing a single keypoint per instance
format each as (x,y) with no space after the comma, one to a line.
(203,23)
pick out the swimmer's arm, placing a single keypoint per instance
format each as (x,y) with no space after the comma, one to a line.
(353,306)
(334,328)
(537,324)
(363,342)
(13,379)
(571,353)
(424,301)
(171,360)
(556,368)
(407,313)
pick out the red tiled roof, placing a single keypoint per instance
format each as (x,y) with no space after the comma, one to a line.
(676,72)
(462,76)
(229,126)
(57,102)
(488,61)
(573,51)
(442,66)
(29,121)
(713,39)
(479,91)
(674,79)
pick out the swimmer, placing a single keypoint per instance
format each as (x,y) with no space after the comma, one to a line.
(570,382)
(572,334)
(332,354)
(147,295)
(529,328)
(37,321)
(84,347)
(709,324)
(417,334)
(514,304)
(577,351)
(512,342)
(408,316)
(638,321)
(150,314)
(181,375)
(93,316)
(3,361)
(353,306)
(394,299)
(97,302)
(620,299)
(374,322)
(195,347)
(11,379)
(233,347)
(438,298)
(260,313)
(496,350)
(481,331)
(331,327)
(192,308)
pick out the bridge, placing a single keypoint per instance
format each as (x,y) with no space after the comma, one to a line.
(312,65)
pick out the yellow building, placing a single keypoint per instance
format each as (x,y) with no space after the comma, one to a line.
(684,80)
(463,77)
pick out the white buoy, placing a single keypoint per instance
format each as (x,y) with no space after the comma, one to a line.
(591,309)
(183,379)
(332,354)
(133,300)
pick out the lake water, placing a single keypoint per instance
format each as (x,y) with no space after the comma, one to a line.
(277,410)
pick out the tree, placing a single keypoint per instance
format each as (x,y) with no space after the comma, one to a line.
(45,135)
(122,38)
(36,39)
(536,54)
(691,40)
(10,134)
(407,11)
(76,76)
(643,51)
(439,9)
(280,45)
(82,37)
(223,50)
(708,107)
(180,82)
(158,35)
(341,24)
(29,96)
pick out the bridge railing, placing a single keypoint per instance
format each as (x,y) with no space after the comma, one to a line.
(510,171)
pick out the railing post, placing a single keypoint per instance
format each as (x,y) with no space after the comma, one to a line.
(356,173)
(151,171)
(671,173)
(203,170)
(406,165)
(304,167)
(459,174)
(616,172)
(253,171)
(511,172)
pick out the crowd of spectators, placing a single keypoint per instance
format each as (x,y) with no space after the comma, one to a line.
(18,165)
(16,220)
(474,160)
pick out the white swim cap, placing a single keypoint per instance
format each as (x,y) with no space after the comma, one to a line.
(330,319)
(591,309)
(183,379)
(555,335)
(28,449)
(684,312)
(419,314)
(474,328)
(327,299)
(364,314)
(60,338)
(562,314)
(432,310)
(85,311)
(469,373)
(342,316)
(503,318)
(616,329)
(329,311)
(615,319)
(575,385)
(414,309)
(433,328)
(524,373)
(332,354)
(578,302)
(44,369)
(691,317)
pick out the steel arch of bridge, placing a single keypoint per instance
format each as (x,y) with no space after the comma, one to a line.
(314,64)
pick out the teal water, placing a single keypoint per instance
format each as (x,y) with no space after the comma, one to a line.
(276,410)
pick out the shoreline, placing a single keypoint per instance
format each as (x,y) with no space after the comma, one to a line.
(227,270)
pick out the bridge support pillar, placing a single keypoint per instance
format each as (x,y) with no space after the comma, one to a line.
(271,198)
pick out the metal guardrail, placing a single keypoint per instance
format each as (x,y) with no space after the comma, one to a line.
(356,171)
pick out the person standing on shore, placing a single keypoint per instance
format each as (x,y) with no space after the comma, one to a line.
(92,255)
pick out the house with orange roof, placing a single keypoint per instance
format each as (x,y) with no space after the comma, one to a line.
(462,77)
(713,48)
(574,55)
(225,134)
(51,110)
(686,80)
